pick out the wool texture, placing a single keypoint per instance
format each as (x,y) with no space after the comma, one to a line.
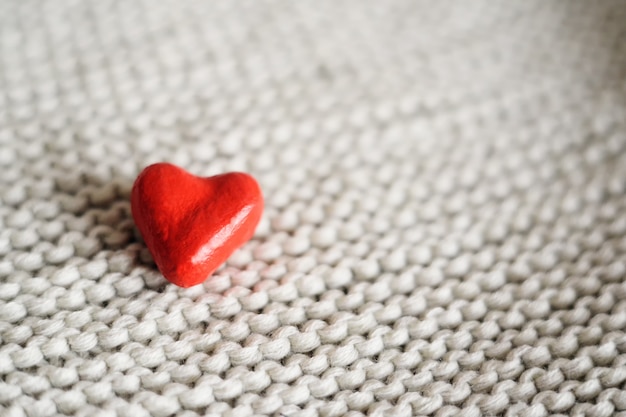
(445,207)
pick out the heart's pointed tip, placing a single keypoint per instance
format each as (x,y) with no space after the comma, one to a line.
(184,283)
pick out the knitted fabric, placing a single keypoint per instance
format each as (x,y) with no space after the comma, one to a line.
(445,222)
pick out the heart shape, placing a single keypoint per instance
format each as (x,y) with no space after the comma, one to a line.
(192,224)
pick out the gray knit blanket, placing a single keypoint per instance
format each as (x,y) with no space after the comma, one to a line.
(445,222)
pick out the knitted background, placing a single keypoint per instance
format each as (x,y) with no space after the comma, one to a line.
(445,229)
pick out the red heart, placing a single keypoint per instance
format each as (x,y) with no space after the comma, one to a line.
(190,224)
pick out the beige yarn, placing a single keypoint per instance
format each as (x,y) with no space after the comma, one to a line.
(445,231)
